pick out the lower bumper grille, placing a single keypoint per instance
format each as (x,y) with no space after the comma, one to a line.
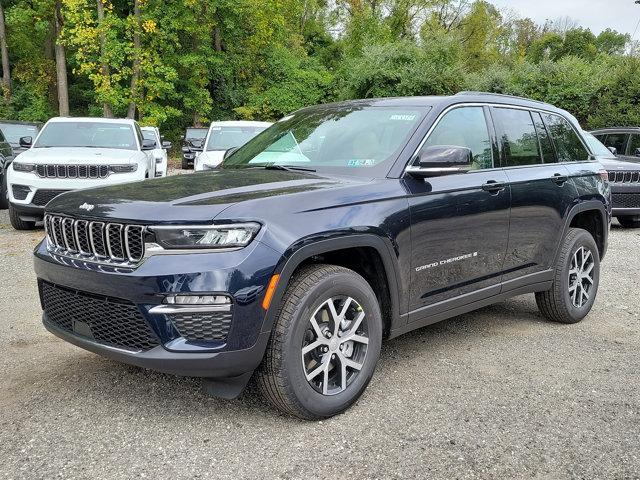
(626,200)
(202,326)
(42,197)
(106,320)
(20,192)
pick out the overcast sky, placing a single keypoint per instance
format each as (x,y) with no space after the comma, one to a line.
(598,15)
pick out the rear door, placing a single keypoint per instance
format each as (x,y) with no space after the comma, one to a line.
(459,222)
(541,194)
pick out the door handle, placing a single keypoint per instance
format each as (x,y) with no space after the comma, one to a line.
(493,187)
(560,179)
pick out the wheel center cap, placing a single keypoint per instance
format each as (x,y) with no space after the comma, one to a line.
(334,344)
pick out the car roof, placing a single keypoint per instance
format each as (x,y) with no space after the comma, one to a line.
(616,129)
(92,119)
(240,123)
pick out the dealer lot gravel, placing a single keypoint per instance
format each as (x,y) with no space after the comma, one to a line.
(492,394)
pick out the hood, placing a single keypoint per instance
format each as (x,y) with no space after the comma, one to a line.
(211,157)
(612,164)
(71,155)
(198,197)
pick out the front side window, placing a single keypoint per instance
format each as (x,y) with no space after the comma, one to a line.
(224,138)
(517,132)
(357,139)
(634,145)
(568,145)
(14,131)
(149,135)
(465,127)
(617,141)
(87,134)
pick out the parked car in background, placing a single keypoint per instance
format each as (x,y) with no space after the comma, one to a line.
(624,142)
(160,151)
(6,157)
(189,150)
(73,153)
(339,226)
(223,136)
(624,178)
(14,130)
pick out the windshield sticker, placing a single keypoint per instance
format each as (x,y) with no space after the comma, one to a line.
(365,162)
(403,118)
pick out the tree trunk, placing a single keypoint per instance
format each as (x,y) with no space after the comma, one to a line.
(104,68)
(136,61)
(61,65)
(6,72)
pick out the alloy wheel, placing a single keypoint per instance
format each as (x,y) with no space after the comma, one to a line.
(335,345)
(581,277)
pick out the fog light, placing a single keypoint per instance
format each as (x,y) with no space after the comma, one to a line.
(197,300)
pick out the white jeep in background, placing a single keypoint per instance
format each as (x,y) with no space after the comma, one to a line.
(159,153)
(73,153)
(223,136)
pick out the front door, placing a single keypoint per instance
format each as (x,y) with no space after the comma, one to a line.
(459,222)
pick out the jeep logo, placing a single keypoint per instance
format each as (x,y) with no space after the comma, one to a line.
(86,206)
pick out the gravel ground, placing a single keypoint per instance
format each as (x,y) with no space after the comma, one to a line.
(498,393)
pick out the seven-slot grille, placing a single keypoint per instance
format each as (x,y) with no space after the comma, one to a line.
(72,171)
(93,240)
(624,176)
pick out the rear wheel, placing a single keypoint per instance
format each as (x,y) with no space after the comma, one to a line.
(4,193)
(17,222)
(576,278)
(630,221)
(325,343)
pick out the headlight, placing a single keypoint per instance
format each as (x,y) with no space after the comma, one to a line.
(210,236)
(23,167)
(123,168)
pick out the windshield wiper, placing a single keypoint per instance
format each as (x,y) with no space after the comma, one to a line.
(288,168)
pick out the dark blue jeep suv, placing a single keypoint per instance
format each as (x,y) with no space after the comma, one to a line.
(339,226)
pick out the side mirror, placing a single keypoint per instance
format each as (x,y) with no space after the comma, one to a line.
(148,144)
(166,145)
(441,160)
(229,152)
(26,141)
(181,137)
(613,150)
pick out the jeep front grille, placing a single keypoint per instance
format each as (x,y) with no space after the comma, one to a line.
(625,200)
(624,176)
(101,242)
(72,171)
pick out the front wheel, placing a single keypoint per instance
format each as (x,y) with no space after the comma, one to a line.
(4,193)
(17,222)
(576,279)
(630,221)
(325,343)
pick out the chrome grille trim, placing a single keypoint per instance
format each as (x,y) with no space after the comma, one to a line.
(624,176)
(70,237)
(72,171)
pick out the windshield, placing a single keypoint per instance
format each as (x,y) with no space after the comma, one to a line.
(87,134)
(224,138)
(597,147)
(351,139)
(149,135)
(199,133)
(13,131)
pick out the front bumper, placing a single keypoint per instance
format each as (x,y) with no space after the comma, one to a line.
(242,274)
(625,199)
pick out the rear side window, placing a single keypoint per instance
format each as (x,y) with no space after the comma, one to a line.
(546,145)
(465,127)
(518,135)
(568,144)
(617,141)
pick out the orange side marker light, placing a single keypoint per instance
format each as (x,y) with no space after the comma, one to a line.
(271,289)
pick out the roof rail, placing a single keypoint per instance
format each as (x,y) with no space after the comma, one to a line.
(628,127)
(470,92)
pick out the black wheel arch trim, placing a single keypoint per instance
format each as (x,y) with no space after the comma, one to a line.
(583,206)
(291,262)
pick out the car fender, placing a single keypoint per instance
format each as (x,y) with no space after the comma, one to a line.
(583,206)
(295,256)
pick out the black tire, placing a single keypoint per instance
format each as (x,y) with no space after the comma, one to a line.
(4,193)
(630,221)
(185,164)
(557,303)
(282,378)
(17,222)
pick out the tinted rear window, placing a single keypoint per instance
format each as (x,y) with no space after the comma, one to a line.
(568,144)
